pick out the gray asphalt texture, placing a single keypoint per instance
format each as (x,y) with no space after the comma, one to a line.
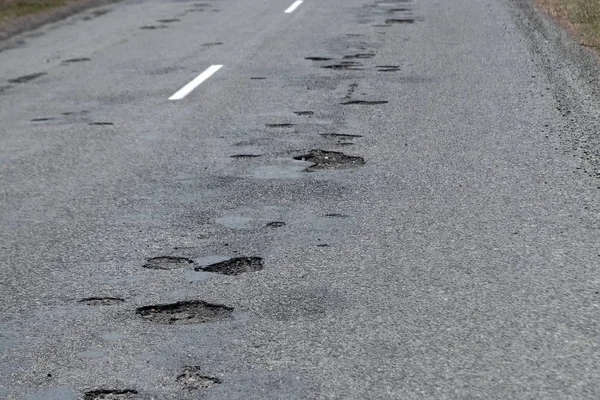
(460,261)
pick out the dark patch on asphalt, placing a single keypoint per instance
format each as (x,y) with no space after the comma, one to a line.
(110,394)
(323,245)
(336,215)
(167,263)
(257,78)
(364,102)
(153,27)
(359,56)
(234,266)
(76,60)
(213,44)
(399,21)
(167,20)
(279,125)
(388,68)
(318,58)
(42,119)
(101,123)
(395,10)
(102,301)
(275,224)
(27,78)
(340,136)
(351,89)
(185,313)
(4,88)
(323,159)
(192,378)
(303,112)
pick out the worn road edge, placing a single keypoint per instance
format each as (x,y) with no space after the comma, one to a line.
(573,77)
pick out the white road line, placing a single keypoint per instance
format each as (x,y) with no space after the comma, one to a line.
(187,89)
(293,6)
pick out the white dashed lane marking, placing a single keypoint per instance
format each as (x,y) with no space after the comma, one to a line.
(187,89)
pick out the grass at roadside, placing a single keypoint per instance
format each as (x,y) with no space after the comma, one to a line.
(583,16)
(18,8)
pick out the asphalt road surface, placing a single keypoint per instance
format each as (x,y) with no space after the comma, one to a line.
(261,199)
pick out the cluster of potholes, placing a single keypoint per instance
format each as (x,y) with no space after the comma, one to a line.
(349,63)
(187,312)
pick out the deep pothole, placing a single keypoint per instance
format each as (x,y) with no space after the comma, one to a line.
(323,159)
(101,301)
(110,394)
(192,378)
(275,224)
(234,266)
(185,313)
(167,262)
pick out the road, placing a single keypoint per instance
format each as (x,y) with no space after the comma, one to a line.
(369,199)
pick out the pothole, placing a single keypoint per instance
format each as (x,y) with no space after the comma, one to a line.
(323,159)
(185,313)
(26,78)
(167,263)
(399,20)
(234,266)
(345,65)
(279,125)
(102,301)
(303,112)
(359,56)
(388,68)
(258,78)
(336,215)
(76,60)
(153,27)
(110,394)
(192,378)
(364,102)
(101,123)
(275,224)
(167,20)
(341,136)
(318,58)
(41,119)
(245,156)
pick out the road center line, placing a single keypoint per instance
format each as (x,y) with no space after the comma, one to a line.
(293,6)
(187,89)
